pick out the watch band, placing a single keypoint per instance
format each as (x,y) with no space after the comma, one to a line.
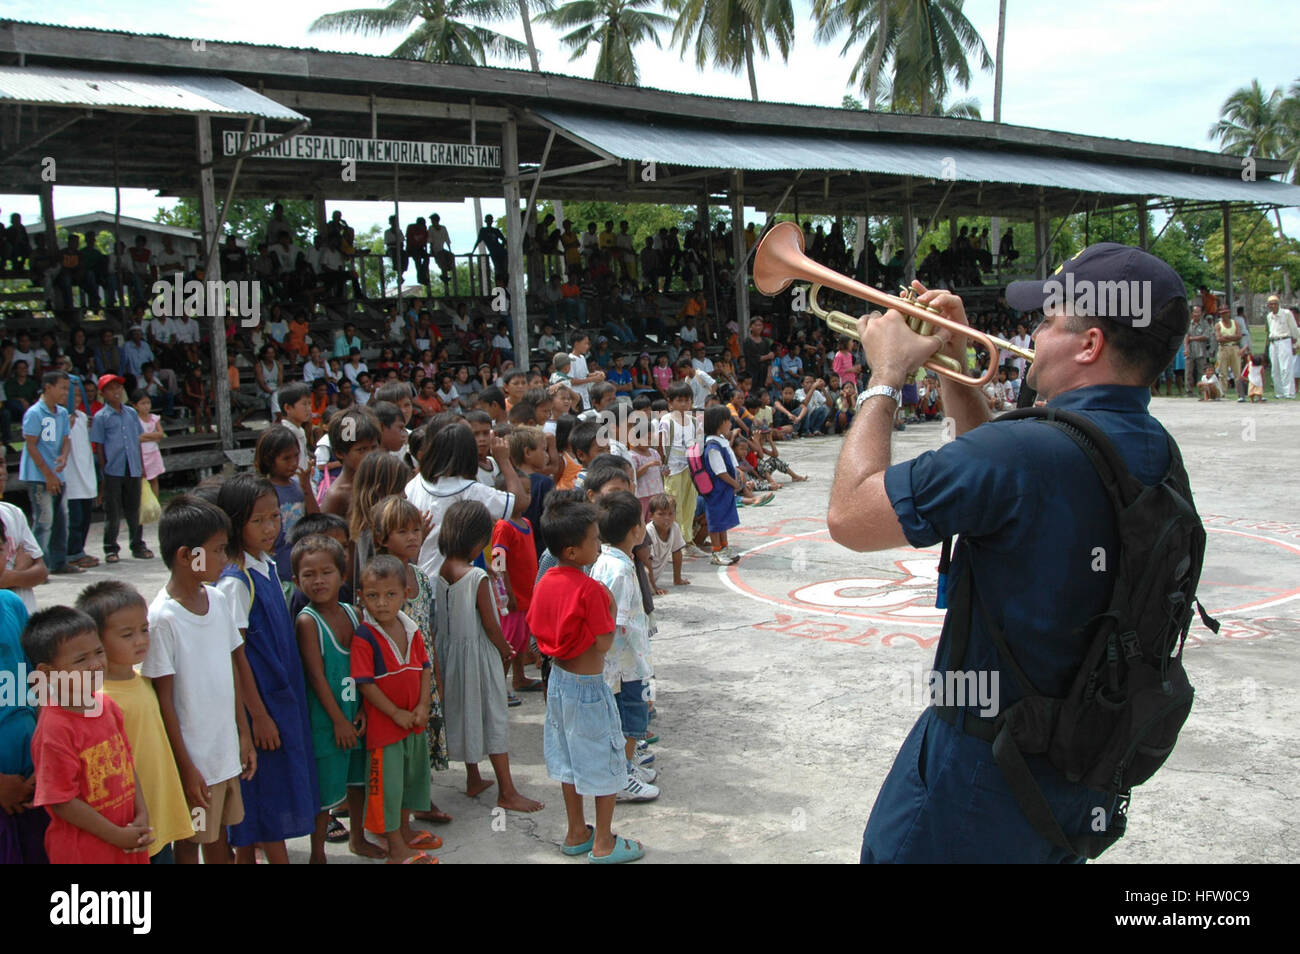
(881,390)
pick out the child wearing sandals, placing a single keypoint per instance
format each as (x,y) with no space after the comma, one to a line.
(397,529)
(472,650)
(392,670)
(325,629)
(572,616)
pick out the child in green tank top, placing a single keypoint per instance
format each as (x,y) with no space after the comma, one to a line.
(324,629)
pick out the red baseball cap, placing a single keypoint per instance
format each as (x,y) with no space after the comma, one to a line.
(106,379)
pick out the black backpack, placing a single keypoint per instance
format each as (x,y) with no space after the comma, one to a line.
(1131,695)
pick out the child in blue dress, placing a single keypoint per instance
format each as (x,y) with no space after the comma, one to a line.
(720,463)
(280,800)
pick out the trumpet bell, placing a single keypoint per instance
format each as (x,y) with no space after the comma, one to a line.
(774,270)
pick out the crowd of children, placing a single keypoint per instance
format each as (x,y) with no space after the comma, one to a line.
(358,611)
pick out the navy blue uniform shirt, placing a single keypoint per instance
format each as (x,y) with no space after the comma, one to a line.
(1033,512)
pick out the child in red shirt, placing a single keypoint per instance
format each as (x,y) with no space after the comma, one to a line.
(514,557)
(392,670)
(572,616)
(85,776)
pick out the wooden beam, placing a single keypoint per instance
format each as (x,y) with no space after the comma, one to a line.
(307,100)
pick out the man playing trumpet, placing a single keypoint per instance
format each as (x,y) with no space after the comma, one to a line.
(1032,515)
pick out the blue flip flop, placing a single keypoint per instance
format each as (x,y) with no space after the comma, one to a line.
(583,848)
(624,851)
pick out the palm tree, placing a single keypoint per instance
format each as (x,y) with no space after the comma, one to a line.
(925,43)
(997,73)
(617,25)
(728,33)
(443,34)
(1254,124)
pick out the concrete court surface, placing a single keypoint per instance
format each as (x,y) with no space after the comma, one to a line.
(786,684)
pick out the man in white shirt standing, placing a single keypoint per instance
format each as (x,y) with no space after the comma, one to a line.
(169,260)
(1282,337)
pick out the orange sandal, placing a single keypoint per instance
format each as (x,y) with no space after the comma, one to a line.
(425,840)
(417,859)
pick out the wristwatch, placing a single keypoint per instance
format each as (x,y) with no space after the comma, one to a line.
(879,390)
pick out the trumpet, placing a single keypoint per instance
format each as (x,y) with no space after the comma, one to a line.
(780,260)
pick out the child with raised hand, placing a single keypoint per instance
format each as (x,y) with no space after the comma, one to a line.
(471,649)
(628,669)
(277,457)
(280,800)
(192,642)
(353,435)
(399,531)
(393,673)
(122,617)
(720,503)
(85,774)
(666,540)
(324,630)
(572,616)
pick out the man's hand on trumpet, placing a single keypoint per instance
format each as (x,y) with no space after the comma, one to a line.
(893,349)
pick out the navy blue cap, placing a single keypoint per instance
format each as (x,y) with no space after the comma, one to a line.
(1106,280)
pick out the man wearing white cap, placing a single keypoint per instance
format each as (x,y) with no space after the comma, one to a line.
(1282,337)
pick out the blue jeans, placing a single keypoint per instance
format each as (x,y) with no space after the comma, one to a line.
(79,514)
(814,420)
(49,523)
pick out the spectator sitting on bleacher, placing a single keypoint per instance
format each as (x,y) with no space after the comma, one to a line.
(19,244)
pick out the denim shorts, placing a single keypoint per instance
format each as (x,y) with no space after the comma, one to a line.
(583,738)
(634,708)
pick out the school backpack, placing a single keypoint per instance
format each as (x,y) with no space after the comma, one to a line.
(1131,695)
(700,473)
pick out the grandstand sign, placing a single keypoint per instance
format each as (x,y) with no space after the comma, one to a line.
(336,148)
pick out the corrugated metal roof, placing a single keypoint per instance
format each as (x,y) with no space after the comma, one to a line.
(46,86)
(722,148)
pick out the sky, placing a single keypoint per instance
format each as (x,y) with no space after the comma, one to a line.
(1140,70)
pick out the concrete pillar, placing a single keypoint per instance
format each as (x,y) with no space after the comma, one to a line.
(212,272)
(515,242)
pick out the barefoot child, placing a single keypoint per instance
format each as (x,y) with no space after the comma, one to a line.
(325,629)
(398,530)
(472,649)
(280,800)
(192,641)
(393,673)
(122,616)
(85,775)
(572,616)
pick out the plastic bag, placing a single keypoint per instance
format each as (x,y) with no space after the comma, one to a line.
(150,509)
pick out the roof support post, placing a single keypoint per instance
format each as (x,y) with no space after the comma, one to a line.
(322,217)
(47,220)
(515,241)
(909,234)
(212,272)
(741,272)
(1040,251)
(1227,259)
(1143,237)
